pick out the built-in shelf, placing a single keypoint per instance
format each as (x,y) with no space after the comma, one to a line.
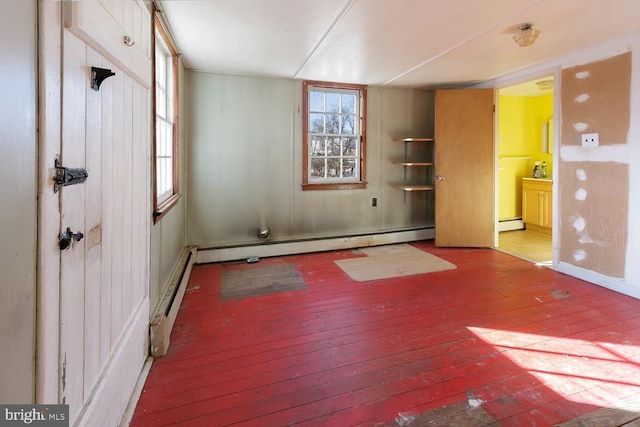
(408,163)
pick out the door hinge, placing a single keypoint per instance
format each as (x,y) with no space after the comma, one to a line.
(68,176)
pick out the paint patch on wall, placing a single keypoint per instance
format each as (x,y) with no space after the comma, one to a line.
(581,194)
(594,229)
(596,99)
(583,97)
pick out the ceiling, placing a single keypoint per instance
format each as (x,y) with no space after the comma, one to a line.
(405,43)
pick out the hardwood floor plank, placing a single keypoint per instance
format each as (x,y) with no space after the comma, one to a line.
(528,344)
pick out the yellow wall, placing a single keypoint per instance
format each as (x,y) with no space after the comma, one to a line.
(520,146)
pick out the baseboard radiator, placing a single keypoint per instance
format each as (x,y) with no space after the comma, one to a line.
(231,253)
(510,224)
(165,315)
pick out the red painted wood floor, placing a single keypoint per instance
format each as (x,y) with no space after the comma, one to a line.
(528,345)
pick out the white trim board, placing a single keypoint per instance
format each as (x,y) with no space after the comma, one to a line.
(614,284)
(167,311)
(208,255)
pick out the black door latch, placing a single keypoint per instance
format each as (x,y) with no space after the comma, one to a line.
(66,238)
(68,176)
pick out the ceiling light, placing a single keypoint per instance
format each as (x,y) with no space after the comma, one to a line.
(545,84)
(526,35)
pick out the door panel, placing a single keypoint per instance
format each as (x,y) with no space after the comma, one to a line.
(464,158)
(104,276)
(72,291)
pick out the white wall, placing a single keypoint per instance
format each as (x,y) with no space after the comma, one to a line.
(18,207)
(245,166)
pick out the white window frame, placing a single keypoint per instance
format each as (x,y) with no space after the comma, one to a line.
(165,141)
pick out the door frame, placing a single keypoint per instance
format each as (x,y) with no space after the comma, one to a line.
(49,144)
(557,117)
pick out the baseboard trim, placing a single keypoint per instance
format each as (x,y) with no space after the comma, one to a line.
(167,311)
(612,283)
(510,224)
(209,255)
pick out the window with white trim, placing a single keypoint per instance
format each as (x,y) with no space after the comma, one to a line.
(334,137)
(166,143)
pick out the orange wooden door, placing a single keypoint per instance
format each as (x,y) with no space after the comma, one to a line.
(464,162)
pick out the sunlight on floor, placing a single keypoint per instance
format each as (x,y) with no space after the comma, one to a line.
(595,373)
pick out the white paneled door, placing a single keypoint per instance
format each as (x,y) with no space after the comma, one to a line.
(104,304)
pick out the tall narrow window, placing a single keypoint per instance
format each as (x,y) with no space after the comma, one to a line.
(333,136)
(166,142)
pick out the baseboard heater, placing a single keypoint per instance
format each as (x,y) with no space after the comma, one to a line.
(231,253)
(510,224)
(165,315)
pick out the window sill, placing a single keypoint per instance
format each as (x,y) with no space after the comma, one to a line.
(165,207)
(335,186)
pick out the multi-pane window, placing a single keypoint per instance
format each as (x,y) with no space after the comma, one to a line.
(165,149)
(164,122)
(334,136)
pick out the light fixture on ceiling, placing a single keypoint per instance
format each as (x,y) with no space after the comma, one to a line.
(526,35)
(545,84)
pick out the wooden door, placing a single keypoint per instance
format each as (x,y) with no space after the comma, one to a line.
(464,165)
(104,304)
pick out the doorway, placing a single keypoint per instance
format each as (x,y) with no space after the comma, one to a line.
(525,142)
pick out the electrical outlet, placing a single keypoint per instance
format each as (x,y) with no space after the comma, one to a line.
(590,140)
(374,201)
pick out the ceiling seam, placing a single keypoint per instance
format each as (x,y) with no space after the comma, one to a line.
(343,12)
(457,45)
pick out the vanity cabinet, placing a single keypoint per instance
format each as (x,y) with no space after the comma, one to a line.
(537,205)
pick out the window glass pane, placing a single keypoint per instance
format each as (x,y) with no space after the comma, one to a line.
(333,124)
(161,103)
(316,101)
(348,103)
(348,125)
(349,168)
(350,146)
(317,168)
(160,67)
(333,102)
(317,145)
(164,158)
(333,168)
(334,147)
(169,90)
(316,123)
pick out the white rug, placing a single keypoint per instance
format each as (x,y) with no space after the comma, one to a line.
(383,262)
